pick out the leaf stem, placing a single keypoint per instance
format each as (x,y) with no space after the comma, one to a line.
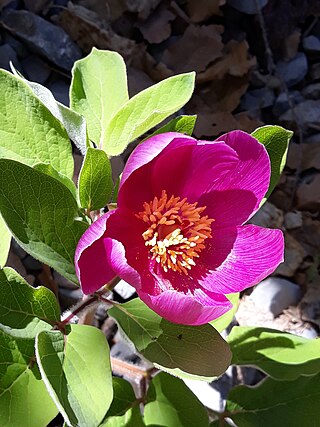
(88,301)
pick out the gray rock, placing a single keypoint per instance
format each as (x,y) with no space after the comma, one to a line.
(281,104)
(275,295)
(68,297)
(309,332)
(63,282)
(35,69)
(20,49)
(32,264)
(268,216)
(36,6)
(60,91)
(311,45)
(294,254)
(292,72)
(308,194)
(42,37)
(7,54)
(257,99)
(308,113)
(293,220)
(312,91)
(124,290)
(247,6)
(315,71)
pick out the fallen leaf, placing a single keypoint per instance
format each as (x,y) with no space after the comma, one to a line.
(201,10)
(195,50)
(157,27)
(235,61)
(87,30)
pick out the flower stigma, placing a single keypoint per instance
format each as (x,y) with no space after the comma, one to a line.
(176,231)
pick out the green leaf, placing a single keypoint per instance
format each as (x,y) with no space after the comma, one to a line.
(24,400)
(29,133)
(181,124)
(276,403)
(76,370)
(281,355)
(197,350)
(276,140)
(145,110)
(124,410)
(24,307)
(98,89)
(41,214)
(48,170)
(4,242)
(95,180)
(224,321)
(171,403)
(74,123)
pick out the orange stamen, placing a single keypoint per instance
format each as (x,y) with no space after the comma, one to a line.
(176,231)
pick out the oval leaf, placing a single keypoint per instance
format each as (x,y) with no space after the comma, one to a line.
(124,410)
(21,387)
(41,215)
(171,403)
(198,350)
(76,370)
(145,110)
(29,133)
(276,140)
(281,355)
(222,322)
(95,180)
(98,89)
(26,308)
(181,124)
(276,403)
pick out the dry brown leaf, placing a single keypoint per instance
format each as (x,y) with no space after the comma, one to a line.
(142,60)
(85,28)
(143,7)
(213,125)
(138,80)
(235,61)
(107,9)
(195,50)
(201,10)
(157,27)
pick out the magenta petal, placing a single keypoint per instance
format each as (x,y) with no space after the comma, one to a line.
(92,271)
(187,309)
(253,254)
(99,258)
(252,172)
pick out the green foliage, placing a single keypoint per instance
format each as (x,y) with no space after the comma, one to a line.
(276,403)
(124,410)
(74,123)
(25,308)
(224,321)
(98,90)
(182,124)
(76,370)
(4,242)
(171,403)
(281,355)
(276,140)
(49,170)
(145,110)
(41,214)
(29,133)
(173,346)
(95,180)
(24,400)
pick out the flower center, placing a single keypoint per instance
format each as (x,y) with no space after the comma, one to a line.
(176,231)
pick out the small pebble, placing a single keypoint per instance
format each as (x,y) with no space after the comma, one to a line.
(293,220)
(275,295)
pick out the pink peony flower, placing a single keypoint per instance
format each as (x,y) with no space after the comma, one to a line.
(177,235)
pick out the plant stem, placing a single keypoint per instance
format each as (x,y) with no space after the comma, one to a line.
(88,301)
